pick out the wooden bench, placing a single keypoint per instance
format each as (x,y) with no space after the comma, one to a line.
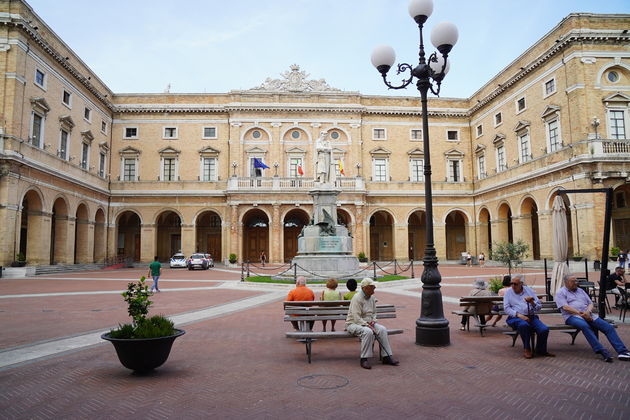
(305,312)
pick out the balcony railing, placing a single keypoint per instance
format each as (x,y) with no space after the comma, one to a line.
(610,146)
(289,184)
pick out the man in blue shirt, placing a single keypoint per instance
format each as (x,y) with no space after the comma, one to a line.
(576,307)
(520,304)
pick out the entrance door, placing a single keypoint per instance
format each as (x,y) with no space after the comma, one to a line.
(255,243)
(291,242)
(136,248)
(176,244)
(214,247)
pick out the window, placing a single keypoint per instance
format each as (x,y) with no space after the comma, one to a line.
(295,134)
(520,104)
(67,98)
(63,145)
(417,170)
(524,147)
(378,134)
(553,133)
(481,166)
(40,79)
(85,155)
(334,135)
(209,169)
(87,114)
(379,170)
(209,132)
(454,170)
(295,166)
(613,76)
(131,132)
(256,134)
(501,160)
(416,134)
(452,135)
(549,87)
(498,119)
(101,164)
(168,169)
(617,124)
(620,200)
(170,132)
(479,130)
(129,169)
(37,130)
(103,127)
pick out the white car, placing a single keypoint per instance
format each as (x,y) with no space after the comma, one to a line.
(178,261)
(197,260)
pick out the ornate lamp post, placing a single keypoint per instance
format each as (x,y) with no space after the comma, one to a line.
(431,328)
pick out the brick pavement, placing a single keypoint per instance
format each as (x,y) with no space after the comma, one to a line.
(241,366)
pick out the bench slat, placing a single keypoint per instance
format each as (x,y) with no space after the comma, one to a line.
(335,334)
(330,317)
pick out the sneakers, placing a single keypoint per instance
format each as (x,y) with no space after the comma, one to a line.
(625,356)
(606,357)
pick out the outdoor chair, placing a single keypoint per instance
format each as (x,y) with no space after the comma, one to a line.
(589,288)
(624,301)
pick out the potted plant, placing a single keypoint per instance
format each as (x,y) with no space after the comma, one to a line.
(20,260)
(232,259)
(577,257)
(145,343)
(362,257)
(496,284)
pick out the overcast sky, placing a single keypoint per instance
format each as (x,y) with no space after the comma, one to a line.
(217,46)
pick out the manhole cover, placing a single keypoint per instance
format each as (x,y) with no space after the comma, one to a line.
(323,381)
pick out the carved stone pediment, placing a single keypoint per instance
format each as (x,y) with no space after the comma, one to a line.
(256,150)
(454,153)
(417,152)
(66,122)
(296,151)
(617,98)
(549,111)
(480,149)
(40,105)
(380,151)
(168,151)
(499,138)
(87,136)
(209,152)
(522,125)
(130,151)
(294,81)
(104,146)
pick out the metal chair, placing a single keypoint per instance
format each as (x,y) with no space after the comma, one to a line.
(625,301)
(589,288)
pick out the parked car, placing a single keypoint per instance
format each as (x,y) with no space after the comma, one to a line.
(210,260)
(178,260)
(197,261)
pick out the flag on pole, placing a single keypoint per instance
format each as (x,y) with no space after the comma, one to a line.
(300,171)
(341,168)
(260,164)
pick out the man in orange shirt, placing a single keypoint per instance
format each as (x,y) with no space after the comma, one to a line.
(301,293)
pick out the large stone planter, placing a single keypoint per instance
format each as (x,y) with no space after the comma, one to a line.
(143,354)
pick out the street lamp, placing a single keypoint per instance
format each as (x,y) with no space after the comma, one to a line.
(431,328)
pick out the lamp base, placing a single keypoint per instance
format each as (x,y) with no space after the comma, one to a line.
(433,337)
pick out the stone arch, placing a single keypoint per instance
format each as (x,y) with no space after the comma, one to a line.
(292,223)
(60,237)
(82,252)
(484,233)
(208,233)
(31,228)
(345,218)
(608,66)
(416,231)
(455,223)
(345,132)
(100,242)
(128,234)
(381,235)
(504,227)
(165,209)
(621,216)
(255,234)
(529,226)
(285,136)
(256,127)
(168,233)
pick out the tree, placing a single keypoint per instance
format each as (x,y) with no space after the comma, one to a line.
(510,254)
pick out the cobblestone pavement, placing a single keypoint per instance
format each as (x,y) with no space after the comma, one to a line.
(234,361)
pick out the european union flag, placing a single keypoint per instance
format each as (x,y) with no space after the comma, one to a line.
(259,164)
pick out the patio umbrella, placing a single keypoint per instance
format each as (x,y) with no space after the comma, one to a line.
(560,244)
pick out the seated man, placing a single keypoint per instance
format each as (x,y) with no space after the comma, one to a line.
(361,322)
(615,281)
(480,288)
(520,304)
(577,307)
(301,293)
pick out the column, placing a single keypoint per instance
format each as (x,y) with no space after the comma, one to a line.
(401,242)
(38,238)
(439,237)
(545,227)
(148,247)
(189,246)
(276,250)
(110,231)
(522,226)
(482,238)
(471,240)
(234,232)
(359,231)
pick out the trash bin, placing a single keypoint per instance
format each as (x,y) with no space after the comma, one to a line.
(597,265)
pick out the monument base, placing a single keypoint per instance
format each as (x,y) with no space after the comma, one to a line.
(321,266)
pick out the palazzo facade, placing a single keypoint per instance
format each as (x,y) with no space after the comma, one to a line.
(87,174)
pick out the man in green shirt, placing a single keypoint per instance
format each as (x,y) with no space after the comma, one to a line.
(155,270)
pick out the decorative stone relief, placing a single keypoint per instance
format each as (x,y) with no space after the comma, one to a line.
(295,81)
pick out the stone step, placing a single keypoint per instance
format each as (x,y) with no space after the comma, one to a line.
(64,268)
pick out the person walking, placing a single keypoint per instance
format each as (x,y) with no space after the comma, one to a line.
(263,257)
(155,271)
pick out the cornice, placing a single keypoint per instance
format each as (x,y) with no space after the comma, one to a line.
(18,22)
(575,36)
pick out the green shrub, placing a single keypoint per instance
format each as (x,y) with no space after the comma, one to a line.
(154,327)
(614,251)
(362,255)
(232,259)
(496,284)
(21,257)
(137,298)
(510,254)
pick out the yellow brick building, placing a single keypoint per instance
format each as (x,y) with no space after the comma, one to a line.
(87,174)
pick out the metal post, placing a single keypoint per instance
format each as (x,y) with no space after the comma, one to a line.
(294,272)
(412,274)
(586,268)
(547,283)
(248,268)
(395,272)
(374,269)
(242,271)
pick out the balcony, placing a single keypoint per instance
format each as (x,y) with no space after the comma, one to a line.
(275,183)
(609,146)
